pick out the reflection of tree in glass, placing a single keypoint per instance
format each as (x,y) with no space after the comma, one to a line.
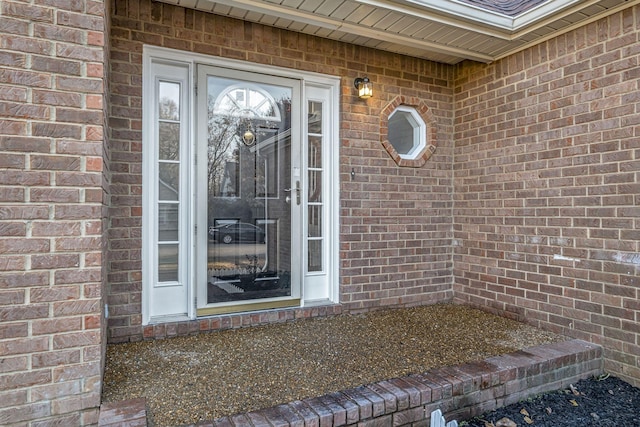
(168,109)
(226,150)
(169,130)
(222,153)
(168,149)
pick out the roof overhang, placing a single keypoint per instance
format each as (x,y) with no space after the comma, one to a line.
(447,31)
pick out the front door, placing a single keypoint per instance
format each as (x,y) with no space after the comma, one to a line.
(248,191)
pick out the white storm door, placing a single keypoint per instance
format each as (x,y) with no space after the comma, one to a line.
(248,192)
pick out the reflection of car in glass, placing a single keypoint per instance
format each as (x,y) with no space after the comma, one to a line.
(238,232)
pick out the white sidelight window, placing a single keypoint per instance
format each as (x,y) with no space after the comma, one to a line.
(166,131)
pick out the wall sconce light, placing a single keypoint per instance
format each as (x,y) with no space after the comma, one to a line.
(364,86)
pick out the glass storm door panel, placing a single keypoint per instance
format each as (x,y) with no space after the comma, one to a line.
(251,188)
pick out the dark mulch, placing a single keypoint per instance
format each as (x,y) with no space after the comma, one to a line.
(597,402)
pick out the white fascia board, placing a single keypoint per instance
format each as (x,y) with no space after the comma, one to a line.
(545,10)
(458,10)
(465,11)
(421,9)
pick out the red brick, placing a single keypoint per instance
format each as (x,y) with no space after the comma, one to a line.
(13,330)
(56,65)
(78,20)
(13,364)
(55,195)
(31,311)
(81,85)
(53,391)
(56,228)
(77,276)
(25,413)
(29,12)
(75,372)
(24,345)
(13,398)
(26,178)
(27,44)
(57,130)
(14,26)
(76,339)
(71,308)
(60,34)
(79,148)
(20,280)
(13,297)
(48,262)
(56,358)
(13,229)
(51,162)
(10,127)
(57,98)
(78,179)
(21,246)
(93,322)
(56,293)
(11,194)
(78,244)
(13,161)
(85,405)
(24,144)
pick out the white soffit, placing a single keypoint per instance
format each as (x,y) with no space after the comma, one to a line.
(447,31)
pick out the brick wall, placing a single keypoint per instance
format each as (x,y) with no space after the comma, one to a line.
(52,183)
(547,187)
(395,222)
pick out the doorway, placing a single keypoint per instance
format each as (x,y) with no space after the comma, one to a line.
(240,188)
(250,185)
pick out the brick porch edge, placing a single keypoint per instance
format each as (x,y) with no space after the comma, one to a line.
(461,392)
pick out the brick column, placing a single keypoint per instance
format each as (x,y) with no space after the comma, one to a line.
(52,211)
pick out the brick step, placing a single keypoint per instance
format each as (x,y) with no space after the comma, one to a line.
(460,392)
(126,413)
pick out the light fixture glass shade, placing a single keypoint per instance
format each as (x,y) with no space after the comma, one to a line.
(364,86)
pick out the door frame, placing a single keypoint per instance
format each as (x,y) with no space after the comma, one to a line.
(331,84)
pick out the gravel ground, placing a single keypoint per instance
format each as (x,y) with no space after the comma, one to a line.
(596,402)
(203,377)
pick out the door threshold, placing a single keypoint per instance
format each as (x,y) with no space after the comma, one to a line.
(250,306)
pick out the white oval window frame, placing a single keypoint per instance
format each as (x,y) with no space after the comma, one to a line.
(423,152)
(419,128)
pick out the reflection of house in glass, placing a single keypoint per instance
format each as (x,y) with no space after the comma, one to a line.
(168,191)
(249,169)
(251,193)
(168,227)
(229,184)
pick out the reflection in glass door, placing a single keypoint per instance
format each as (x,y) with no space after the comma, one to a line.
(251,192)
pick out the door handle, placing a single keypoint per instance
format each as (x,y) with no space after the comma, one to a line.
(297,190)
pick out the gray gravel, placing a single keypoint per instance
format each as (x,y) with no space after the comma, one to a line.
(203,377)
